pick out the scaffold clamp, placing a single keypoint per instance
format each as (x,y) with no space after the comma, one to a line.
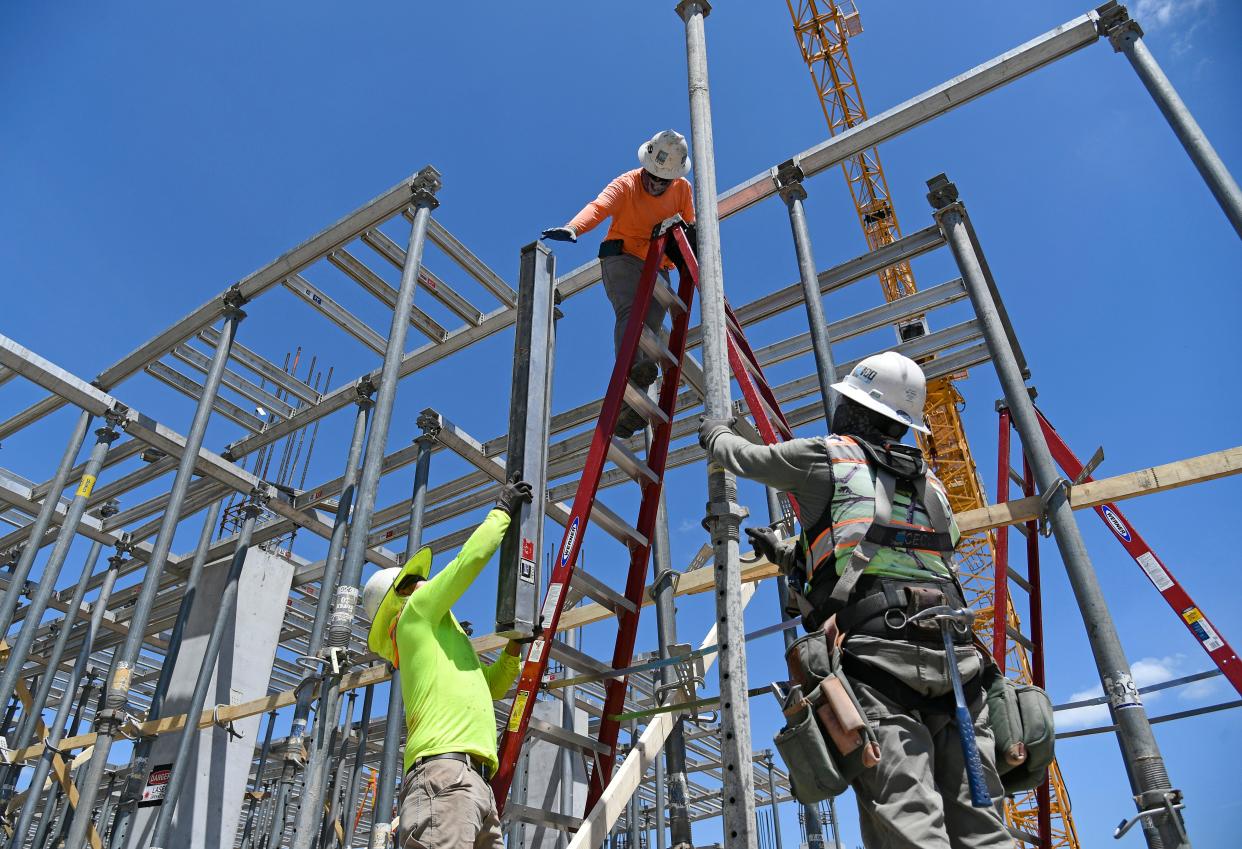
(1167,803)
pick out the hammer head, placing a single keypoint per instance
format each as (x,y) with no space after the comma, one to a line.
(944,614)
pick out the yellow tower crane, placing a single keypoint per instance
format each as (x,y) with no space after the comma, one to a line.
(823,29)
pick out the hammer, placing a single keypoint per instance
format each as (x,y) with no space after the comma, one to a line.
(959,619)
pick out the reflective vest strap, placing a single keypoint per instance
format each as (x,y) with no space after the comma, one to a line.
(885,490)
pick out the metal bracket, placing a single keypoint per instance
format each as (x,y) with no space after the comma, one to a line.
(364,388)
(942,192)
(1115,24)
(1170,802)
(788,179)
(431,424)
(1092,465)
(234,300)
(424,185)
(1045,500)
(684,8)
(227,725)
(720,512)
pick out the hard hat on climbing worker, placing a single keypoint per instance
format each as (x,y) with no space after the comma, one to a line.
(666,155)
(890,384)
(382,599)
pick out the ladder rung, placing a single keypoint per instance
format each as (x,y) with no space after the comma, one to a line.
(667,297)
(641,403)
(580,662)
(1017,577)
(772,415)
(545,730)
(628,462)
(616,526)
(1020,638)
(654,347)
(538,816)
(586,584)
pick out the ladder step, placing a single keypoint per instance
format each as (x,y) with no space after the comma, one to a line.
(630,463)
(584,584)
(616,526)
(578,661)
(772,415)
(1019,638)
(538,816)
(667,297)
(654,347)
(553,733)
(641,403)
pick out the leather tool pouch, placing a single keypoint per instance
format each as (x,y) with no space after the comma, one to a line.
(813,772)
(611,247)
(1021,719)
(919,599)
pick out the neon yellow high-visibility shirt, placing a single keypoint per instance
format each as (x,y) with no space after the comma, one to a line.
(448,693)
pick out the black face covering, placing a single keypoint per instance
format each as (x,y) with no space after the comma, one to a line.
(853,419)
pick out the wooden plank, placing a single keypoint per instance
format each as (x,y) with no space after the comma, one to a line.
(1147,481)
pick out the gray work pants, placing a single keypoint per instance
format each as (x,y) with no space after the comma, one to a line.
(621,274)
(446,804)
(918,797)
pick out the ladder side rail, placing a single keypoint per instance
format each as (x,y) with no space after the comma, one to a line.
(1190,614)
(743,344)
(1000,555)
(536,664)
(1035,600)
(657,456)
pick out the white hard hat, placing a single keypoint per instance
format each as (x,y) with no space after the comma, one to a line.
(666,155)
(890,384)
(376,588)
(381,604)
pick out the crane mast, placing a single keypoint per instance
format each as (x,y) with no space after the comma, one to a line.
(823,29)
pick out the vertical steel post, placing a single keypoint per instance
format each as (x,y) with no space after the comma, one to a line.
(80,663)
(1154,794)
(810,814)
(391,755)
(345,600)
(569,701)
(663,590)
(38,528)
(724,513)
(131,789)
(360,754)
(51,570)
(1126,36)
(248,829)
(516,593)
(338,769)
(789,175)
(109,721)
(1035,628)
(776,810)
(182,763)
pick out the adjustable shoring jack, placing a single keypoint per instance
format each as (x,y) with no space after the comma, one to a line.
(1168,804)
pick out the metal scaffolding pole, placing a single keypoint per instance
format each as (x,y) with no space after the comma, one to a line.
(131,789)
(1126,36)
(108,722)
(182,764)
(776,811)
(360,753)
(20,648)
(345,600)
(21,571)
(517,603)
(1157,801)
(663,590)
(724,513)
(810,813)
(790,176)
(48,804)
(341,749)
(247,837)
(55,731)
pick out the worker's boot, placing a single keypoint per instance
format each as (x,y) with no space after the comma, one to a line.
(642,374)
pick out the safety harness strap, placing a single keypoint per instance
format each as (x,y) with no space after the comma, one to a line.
(885,490)
(860,671)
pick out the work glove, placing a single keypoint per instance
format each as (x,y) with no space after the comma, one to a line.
(764,541)
(560,234)
(514,494)
(708,428)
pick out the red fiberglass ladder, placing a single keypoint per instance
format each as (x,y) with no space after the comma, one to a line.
(669,239)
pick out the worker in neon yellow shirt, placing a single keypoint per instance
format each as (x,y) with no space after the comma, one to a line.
(636,202)
(450,750)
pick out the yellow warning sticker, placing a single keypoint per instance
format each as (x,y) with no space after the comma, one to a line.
(85,487)
(519,707)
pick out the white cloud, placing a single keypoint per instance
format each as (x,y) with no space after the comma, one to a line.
(1157,14)
(1148,671)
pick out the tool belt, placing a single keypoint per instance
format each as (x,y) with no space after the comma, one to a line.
(886,605)
(611,247)
(469,760)
(826,742)
(905,695)
(1021,719)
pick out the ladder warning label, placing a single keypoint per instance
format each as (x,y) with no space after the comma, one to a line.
(519,706)
(1202,629)
(552,600)
(1154,570)
(157,785)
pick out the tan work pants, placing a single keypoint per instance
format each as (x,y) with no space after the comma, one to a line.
(918,797)
(446,804)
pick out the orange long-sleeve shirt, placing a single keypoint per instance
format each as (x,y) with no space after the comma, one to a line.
(634,211)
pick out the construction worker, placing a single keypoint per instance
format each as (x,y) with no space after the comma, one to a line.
(876,548)
(450,750)
(636,201)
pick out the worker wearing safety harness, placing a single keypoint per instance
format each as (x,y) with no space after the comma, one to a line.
(636,201)
(877,551)
(450,750)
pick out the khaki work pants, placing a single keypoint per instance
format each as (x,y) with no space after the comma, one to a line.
(918,796)
(446,804)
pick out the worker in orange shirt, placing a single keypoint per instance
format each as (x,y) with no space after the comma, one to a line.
(636,201)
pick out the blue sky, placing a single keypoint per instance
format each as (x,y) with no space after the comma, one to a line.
(155,155)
